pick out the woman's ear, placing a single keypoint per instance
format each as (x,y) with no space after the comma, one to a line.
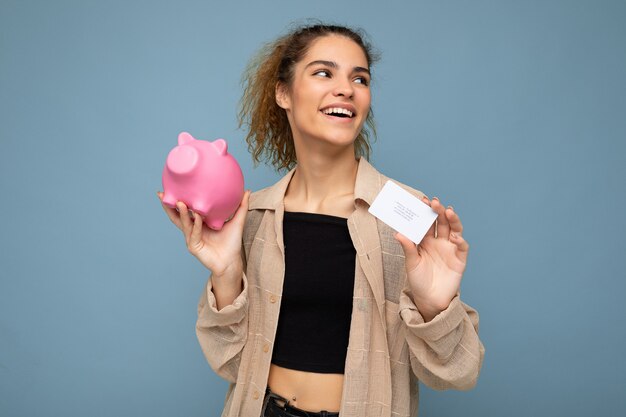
(282,96)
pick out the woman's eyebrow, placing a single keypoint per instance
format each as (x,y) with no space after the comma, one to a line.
(333,64)
(361,69)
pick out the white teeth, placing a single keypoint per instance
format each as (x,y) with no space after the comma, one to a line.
(337,110)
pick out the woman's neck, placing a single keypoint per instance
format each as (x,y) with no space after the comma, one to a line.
(323,184)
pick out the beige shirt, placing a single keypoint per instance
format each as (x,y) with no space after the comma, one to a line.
(390,347)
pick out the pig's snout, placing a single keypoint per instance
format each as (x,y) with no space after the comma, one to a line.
(182,160)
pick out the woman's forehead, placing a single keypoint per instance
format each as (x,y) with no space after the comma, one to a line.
(338,49)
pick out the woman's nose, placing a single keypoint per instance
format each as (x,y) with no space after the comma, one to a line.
(344,88)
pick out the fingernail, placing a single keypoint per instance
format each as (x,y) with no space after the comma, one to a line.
(451,208)
(435,198)
(452,235)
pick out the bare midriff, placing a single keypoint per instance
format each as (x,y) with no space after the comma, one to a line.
(309,391)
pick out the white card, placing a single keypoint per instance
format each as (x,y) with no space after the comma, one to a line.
(403,212)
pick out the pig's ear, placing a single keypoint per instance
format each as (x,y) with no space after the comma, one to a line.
(184,138)
(221,146)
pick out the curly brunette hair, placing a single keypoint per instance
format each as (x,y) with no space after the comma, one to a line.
(269,136)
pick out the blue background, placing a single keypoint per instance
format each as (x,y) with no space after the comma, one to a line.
(512,111)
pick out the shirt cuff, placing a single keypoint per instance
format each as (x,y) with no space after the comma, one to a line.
(442,324)
(231,314)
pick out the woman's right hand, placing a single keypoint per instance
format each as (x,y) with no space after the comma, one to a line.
(219,251)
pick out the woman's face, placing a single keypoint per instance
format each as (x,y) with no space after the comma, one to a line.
(329,97)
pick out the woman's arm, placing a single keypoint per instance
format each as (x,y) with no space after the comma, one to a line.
(442,332)
(222,324)
(223,331)
(445,353)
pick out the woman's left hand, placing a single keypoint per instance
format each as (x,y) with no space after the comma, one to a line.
(435,266)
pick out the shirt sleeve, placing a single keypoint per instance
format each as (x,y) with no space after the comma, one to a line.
(445,353)
(222,334)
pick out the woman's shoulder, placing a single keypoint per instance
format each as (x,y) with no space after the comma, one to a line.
(259,198)
(270,197)
(417,193)
(384,178)
(260,201)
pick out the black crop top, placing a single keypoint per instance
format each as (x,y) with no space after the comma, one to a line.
(316,307)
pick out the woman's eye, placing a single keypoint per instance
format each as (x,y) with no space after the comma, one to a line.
(361,80)
(323,73)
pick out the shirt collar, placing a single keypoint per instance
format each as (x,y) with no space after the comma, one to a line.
(368,183)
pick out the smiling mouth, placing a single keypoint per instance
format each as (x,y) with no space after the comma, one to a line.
(338,112)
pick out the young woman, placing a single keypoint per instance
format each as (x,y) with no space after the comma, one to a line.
(314,307)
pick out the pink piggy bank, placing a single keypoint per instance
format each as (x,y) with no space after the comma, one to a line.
(205,177)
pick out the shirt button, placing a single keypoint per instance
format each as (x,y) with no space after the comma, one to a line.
(256,395)
(266,348)
(272,299)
